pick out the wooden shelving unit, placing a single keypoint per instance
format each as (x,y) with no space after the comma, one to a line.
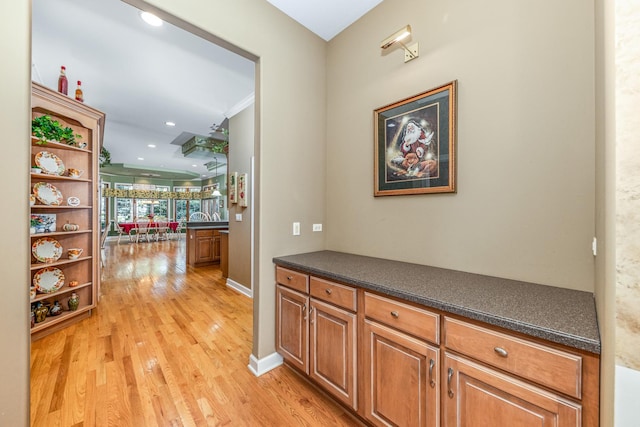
(89,124)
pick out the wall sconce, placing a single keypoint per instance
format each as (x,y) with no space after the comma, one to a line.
(410,52)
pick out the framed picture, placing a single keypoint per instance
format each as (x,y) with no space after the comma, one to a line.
(415,142)
(242,190)
(233,187)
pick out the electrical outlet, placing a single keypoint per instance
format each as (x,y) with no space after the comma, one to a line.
(239,217)
(296,228)
(317,227)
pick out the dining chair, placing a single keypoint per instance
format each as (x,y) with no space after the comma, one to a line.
(121,232)
(162,230)
(142,229)
(199,216)
(181,227)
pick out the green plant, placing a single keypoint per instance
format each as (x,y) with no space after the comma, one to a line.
(105,157)
(46,129)
(219,145)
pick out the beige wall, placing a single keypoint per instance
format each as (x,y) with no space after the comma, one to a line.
(15,98)
(525,202)
(241,142)
(605,202)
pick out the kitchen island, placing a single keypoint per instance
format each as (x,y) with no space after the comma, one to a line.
(204,242)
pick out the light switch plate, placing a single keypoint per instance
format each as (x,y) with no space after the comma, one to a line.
(239,217)
(296,228)
(317,227)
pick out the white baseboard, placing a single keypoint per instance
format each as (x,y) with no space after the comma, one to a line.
(264,365)
(239,288)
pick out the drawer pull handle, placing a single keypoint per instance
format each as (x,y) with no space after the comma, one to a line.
(395,314)
(449,375)
(311,314)
(289,277)
(432,363)
(501,351)
(328,291)
(304,310)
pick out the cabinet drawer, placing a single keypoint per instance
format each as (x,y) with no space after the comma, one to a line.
(413,320)
(292,279)
(547,366)
(340,295)
(204,233)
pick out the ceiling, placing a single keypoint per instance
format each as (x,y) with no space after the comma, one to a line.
(143,76)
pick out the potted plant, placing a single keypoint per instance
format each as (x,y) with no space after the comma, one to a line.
(46,129)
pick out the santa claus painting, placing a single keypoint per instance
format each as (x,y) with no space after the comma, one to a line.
(415,151)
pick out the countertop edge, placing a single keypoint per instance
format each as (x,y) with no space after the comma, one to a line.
(577,342)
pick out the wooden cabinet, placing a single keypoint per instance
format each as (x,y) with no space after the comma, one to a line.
(396,363)
(476,392)
(401,382)
(203,246)
(514,381)
(57,190)
(317,334)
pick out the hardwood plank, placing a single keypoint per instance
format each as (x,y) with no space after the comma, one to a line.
(168,345)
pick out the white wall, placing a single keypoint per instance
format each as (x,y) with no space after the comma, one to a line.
(526,139)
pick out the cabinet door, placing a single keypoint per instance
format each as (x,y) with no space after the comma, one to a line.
(333,350)
(216,246)
(204,249)
(292,326)
(475,395)
(401,378)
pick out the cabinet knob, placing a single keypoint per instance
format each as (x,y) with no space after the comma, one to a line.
(501,351)
(328,291)
(289,277)
(395,314)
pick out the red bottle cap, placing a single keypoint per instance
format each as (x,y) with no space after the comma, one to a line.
(79,82)
(63,68)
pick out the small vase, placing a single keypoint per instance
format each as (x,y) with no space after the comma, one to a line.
(41,312)
(74,301)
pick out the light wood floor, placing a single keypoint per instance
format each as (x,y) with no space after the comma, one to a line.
(168,345)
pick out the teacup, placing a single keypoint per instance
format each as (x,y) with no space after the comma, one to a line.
(32,293)
(73,283)
(75,173)
(70,227)
(32,199)
(74,253)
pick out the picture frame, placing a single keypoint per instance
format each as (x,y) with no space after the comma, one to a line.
(415,144)
(242,190)
(233,188)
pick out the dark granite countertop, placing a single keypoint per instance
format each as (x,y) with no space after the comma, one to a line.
(559,315)
(207,225)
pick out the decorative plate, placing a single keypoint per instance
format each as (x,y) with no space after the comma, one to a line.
(50,163)
(47,193)
(46,249)
(48,280)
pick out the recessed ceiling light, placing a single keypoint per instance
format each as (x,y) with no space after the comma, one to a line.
(203,175)
(169,123)
(195,166)
(151,19)
(140,158)
(151,145)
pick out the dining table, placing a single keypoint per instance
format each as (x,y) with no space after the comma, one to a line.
(128,226)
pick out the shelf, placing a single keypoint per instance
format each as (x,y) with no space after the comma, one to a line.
(54,144)
(64,290)
(46,176)
(60,318)
(60,233)
(61,261)
(58,207)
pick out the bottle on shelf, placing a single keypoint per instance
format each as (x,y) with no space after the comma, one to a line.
(79,96)
(62,81)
